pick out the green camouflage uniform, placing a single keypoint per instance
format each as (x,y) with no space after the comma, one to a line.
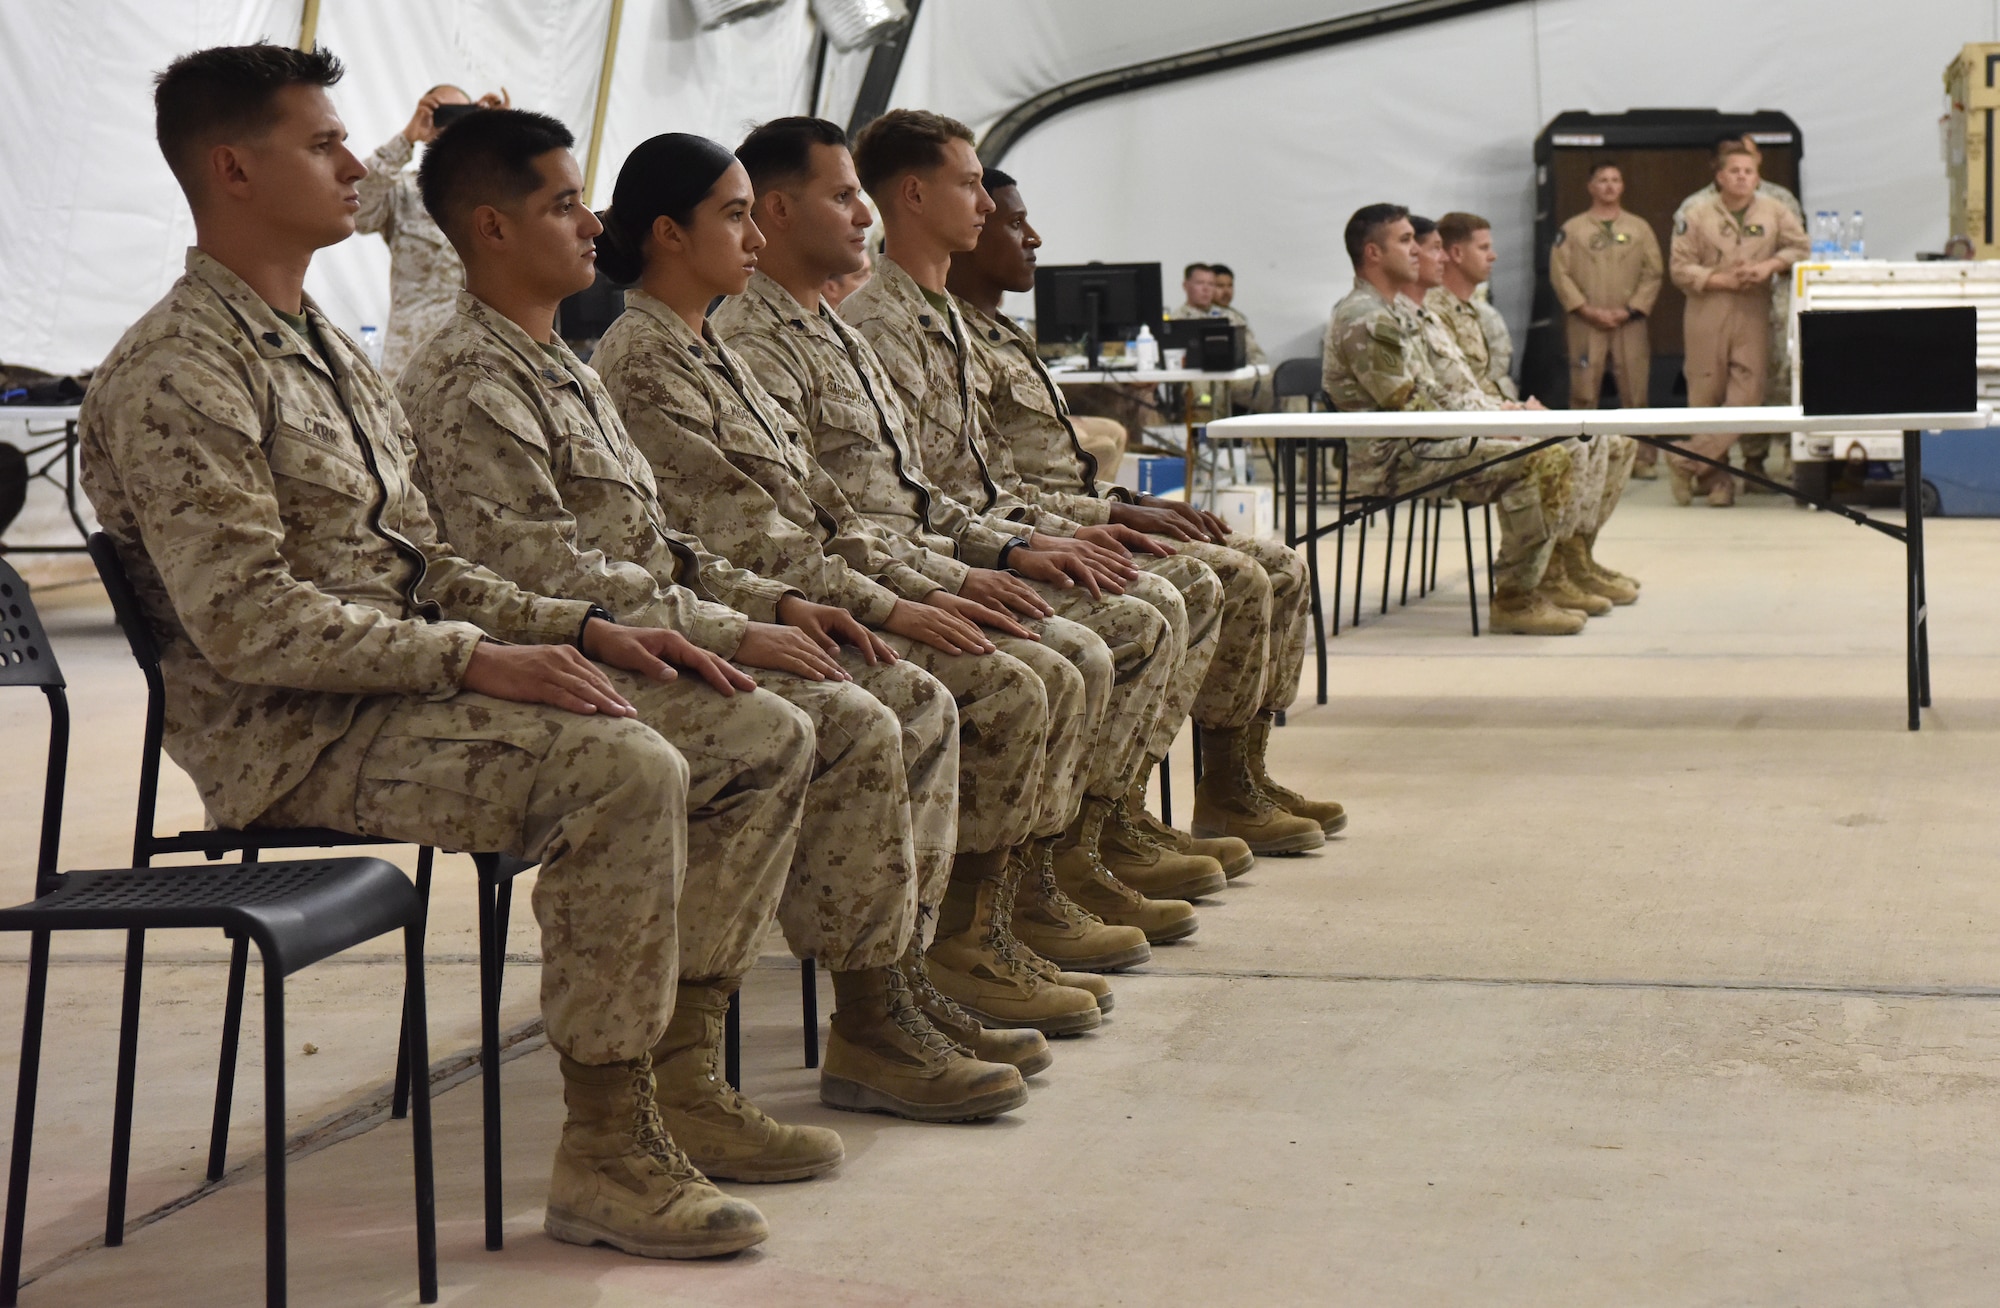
(424,271)
(918,351)
(527,468)
(1252,625)
(728,464)
(1376,357)
(315,635)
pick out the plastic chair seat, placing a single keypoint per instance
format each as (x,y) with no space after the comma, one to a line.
(298,912)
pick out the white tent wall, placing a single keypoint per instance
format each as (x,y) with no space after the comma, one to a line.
(92,227)
(1259,167)
(547,53)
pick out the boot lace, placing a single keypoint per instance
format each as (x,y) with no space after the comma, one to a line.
(649,1133)
(1000,931)
(935,1002)
(1071,912)
(1136,832)
(905,1012)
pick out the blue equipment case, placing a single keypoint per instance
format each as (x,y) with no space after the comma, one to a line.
(1961,474)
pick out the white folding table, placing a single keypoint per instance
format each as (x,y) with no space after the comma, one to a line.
(1308,433)
(55,445)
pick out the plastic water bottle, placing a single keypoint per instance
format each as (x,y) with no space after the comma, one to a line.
(1819,235)
(371,344)
(1857,241)
(1145,349)
(1836,241)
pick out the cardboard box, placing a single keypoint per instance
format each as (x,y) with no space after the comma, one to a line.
(1249,510)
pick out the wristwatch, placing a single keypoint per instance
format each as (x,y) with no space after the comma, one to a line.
(596,611)
(1014,543)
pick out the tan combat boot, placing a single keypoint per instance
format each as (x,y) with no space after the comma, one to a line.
(1682,483)
(1023,1048)
(1056,928)
(1234,855)
(1530,614)
(1150,868)
(884,1056)
(974,959)
(1590,553)
(1557,588)
(1646,471)
(725,1134)
(1722,491)
(1084,878)
(1331,816)
(1586,575)
(620,1180)
(1228,802)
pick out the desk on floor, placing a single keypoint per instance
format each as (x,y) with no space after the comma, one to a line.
(1308,433)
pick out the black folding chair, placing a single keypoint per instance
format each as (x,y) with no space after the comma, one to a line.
(496,886)
(298,912)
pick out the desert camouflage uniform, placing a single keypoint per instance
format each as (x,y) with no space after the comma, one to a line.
(1257,639)
(1599,468)
(1376,357)
(729,465)
(315,635)
(424,271)
(917,351)
(527,468)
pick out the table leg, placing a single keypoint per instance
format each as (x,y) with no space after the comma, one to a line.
(1916,607)
(1312,561)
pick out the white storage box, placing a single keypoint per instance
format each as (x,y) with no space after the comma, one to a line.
(1249,510)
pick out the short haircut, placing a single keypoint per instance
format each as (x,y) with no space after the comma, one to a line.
(779,153)
(1422,226)
(228,92)
(1725,152)
(904,141)
(1194,268)
(1458,227)
(486,158)
(1367,224)
(995,180)
(1601,165)
(1222,270)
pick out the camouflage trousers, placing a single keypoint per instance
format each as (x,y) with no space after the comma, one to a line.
(1138,629)
(1197,626)
(663,855)
(1024,725)
(881,811)
(1599,469)
(1531,492)
(1260,646)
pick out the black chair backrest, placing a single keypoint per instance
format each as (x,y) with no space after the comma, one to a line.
(25,656)
(1296,377)
(124,602)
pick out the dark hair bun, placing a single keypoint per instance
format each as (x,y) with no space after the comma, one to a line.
(618,256)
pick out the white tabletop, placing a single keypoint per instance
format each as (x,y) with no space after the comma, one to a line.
(39,412)
(1152,376)
(1542,424)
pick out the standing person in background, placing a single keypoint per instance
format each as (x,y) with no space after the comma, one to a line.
(1778,366)
(1726,251)
(1606,269)
(425,275)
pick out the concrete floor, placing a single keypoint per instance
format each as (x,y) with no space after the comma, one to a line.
(1657,968)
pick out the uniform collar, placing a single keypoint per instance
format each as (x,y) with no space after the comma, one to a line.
(554,373)
(996,329)
(272,336)
(703,347)
(765,290)
(900,288)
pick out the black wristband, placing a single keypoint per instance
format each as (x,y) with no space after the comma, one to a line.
(596,611)
(1016,543)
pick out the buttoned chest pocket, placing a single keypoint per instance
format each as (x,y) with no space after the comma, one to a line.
(847,423)
(1028,392)
(605,493)
(308,463)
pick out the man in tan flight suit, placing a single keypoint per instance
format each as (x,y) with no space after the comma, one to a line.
(329,662)
(1726,252)
(528,469)
(1606,269)
(1599,468)
(424,271)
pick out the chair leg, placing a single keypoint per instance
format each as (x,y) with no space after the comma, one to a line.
(24,1118)
(399,1099)
(1409,551)
(1424,551)
(1487,510)
(732,1041)
(492,949)
(1360,571)
(417,1054)
(1339,549)
(225,1072)
(1195,727)
(809,1006)
(1388,558)
(274,1135)
(1437,541)
(1166,791)
(121,1110)
(1471,572)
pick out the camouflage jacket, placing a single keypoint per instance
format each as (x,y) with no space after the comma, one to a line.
(1482,338)
(260,497)
(1374,358)
(1444,350)
(424,271)
(823,374)
(929,359)
(1027,419)
(730,465)
(528,470)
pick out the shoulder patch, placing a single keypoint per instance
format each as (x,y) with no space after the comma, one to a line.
(1561,236)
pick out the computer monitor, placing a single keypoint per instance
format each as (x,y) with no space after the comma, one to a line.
(1096,302)
(1889,360)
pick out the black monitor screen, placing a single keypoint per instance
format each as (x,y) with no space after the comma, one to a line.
(1889,360)
(1123,296)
